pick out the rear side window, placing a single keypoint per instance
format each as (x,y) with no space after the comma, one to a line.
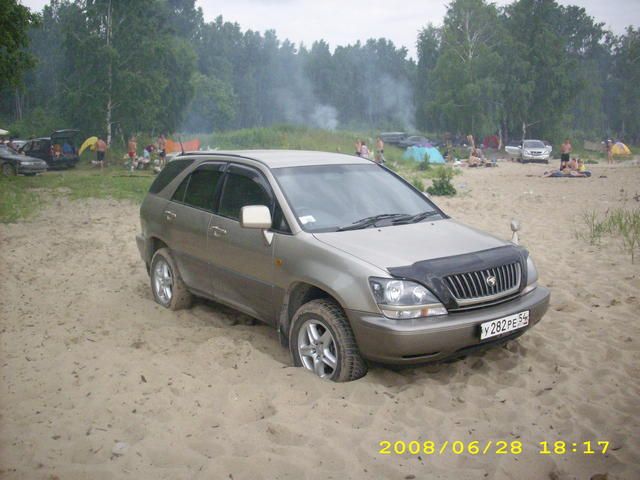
(199,189)
(243,187)
(168,173)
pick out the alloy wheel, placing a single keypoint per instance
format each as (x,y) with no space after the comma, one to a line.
(163,281)
(317,349)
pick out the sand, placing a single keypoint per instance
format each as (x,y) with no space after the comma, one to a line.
(99,382)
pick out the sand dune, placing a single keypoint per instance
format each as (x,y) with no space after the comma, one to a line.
(89,360)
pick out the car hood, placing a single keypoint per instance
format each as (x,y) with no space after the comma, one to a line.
(401,245)
(7,155)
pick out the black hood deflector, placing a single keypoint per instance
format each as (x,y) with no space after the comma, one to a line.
(431,273)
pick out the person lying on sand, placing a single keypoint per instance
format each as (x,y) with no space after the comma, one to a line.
(566,173)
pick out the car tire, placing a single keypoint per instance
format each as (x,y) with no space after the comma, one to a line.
(334,353)
(166,283)
(8,170)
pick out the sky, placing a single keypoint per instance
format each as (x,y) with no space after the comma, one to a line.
(342,22)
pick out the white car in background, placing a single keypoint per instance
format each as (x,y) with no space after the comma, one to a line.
(530,151)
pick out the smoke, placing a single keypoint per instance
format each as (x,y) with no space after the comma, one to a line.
(325,116)
(298,104)
(396,101)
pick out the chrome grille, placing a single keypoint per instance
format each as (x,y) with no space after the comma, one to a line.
(476,287)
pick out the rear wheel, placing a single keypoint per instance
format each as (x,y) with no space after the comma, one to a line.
(8,170)
(322,342)
(166,284)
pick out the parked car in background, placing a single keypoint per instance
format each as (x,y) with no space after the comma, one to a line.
(59,150)
(392,138)
(530,151)
(347,260)
(414,141)
(16,144)
(12,163)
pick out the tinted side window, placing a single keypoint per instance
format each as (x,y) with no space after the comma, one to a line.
(178,195)
(201,189)
(243,187)
(169,173)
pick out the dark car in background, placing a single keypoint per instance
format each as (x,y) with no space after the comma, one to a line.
(392,138)
(414,141)
(12,163)
(59,150)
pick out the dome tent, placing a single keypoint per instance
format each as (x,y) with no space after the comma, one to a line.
(420,154)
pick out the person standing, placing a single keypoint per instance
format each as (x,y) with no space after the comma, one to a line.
(379,157)
(132,148)
(609,147)
(358,148)
(565,153)
(364,150)
(162,150)
(101,150)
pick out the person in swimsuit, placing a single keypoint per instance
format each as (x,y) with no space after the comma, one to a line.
(565,153)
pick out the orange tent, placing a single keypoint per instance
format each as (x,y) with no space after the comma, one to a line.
(189,146)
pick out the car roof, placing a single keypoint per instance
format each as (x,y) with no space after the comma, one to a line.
(287,158)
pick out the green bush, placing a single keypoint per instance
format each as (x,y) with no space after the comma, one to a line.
(424,166)
(442,182)
(418,183)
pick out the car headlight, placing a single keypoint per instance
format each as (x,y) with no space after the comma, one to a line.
(399,299)
(532,277)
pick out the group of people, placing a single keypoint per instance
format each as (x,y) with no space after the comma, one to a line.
(566,149)
(569,167)
(142,162)
(363,151)
(476,156)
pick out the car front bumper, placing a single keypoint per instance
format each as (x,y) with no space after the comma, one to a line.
(536,158)
(32,168)
(431,339)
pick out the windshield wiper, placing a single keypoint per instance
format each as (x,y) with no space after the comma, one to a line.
(371,221)
(418,217)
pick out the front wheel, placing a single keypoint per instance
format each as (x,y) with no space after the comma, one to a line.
(8,170)
(166,284)
(322,342)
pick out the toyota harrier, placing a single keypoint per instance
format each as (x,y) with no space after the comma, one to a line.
(345,258)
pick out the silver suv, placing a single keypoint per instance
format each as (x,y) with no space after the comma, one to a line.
(345,258)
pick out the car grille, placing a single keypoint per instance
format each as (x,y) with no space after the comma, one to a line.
(476,287)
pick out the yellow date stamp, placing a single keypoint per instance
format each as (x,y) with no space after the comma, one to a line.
(491,447)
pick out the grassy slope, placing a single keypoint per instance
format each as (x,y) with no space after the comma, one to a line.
(19,195)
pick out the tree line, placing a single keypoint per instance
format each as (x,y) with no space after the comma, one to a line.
(549,69)
(113,68)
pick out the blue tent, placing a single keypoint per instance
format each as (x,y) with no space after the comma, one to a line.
(418,154)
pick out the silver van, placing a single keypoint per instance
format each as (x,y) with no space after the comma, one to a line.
(345,258)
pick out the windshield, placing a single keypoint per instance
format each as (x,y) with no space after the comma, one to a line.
(327,198)
(533,144)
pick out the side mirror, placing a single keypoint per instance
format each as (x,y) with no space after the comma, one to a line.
(255,216)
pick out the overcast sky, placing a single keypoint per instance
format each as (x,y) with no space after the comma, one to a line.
(341,22)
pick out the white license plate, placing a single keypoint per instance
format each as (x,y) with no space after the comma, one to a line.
(504,324)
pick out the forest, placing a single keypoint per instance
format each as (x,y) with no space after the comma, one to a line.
(115,68)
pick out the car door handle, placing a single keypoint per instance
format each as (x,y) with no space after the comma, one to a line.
(169,215)
(217,231)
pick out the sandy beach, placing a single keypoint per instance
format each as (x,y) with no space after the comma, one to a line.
(99,382)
